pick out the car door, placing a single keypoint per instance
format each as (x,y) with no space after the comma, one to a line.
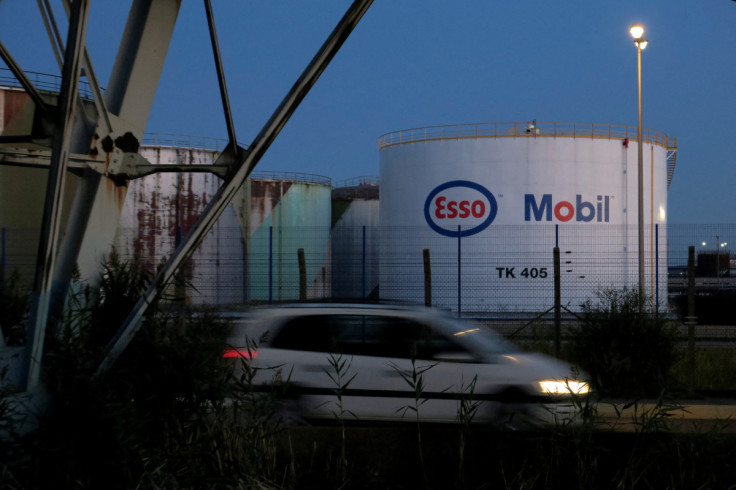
(396,371)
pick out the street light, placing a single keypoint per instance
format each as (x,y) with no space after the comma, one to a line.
(637,32)
(719,246)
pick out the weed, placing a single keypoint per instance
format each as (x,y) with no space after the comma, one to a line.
(13,310)
(170,414)
(627,351)
(341,378)
(467,408)
(714,370)
(256,414)
(415,379)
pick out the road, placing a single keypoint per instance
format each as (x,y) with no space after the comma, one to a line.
(684,416)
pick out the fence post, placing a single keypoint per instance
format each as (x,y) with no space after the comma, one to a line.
(459,272)
(427,278)
(2,255)
(656,270)
(558,326)
(363,264)
(302,275)
(270,264)
(691,319)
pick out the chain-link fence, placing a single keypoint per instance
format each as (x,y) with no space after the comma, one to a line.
(505,272)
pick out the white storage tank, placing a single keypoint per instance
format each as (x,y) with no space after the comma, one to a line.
(354,238)
(491,201)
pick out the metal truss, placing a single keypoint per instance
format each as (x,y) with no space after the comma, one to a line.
(101,146)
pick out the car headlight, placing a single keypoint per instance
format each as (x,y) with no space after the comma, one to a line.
(563,387)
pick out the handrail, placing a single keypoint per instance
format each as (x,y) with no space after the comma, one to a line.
(292,176)
(524,129)
(184,141)
(42,81)
(357,181)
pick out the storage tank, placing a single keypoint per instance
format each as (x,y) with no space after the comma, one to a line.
(161,208)
(354,238)
(251,253)
(23,176)
(491,202)
(280,213)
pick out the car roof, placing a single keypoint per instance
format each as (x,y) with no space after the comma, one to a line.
(281,308)
(264,318)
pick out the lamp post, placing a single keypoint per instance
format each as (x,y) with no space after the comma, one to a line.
(637,32)
(719,246)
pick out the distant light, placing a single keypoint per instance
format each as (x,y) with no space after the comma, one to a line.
(703,244)
(642,43)
(465,332)
(661,213)
(637,31)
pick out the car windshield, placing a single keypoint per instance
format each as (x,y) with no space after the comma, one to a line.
(482,338)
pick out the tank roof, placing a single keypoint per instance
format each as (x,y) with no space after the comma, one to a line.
(529,129)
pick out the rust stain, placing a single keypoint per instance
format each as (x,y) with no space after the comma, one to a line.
(166,206)
(265,195)
(93,151)
(118,193)
(18,112)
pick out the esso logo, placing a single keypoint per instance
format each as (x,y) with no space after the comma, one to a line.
(460,208)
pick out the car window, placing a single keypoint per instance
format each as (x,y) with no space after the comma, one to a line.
(308,333)
(365,335)
(483,339)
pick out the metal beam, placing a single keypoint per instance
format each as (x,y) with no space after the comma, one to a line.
(94,84)
(47,248)
(225,194)
(52,30)
(129,166)
(57,45)
(221,75)
(96,207)
(139,63)
(27,85)
(128,98)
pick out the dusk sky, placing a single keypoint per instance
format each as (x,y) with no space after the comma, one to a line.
(416,63)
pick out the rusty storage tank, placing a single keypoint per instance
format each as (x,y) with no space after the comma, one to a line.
(281,213)
(162,207)
(492,201)
(24,174)
(355,209)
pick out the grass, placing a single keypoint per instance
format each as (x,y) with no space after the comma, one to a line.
(714,370)
(171,415)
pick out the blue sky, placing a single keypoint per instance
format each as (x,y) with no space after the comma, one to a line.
(415,63)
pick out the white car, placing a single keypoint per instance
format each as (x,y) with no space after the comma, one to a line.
(396,363)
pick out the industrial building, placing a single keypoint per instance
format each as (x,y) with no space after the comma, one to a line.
(488,202)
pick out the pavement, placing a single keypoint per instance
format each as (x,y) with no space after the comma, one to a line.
(693,416)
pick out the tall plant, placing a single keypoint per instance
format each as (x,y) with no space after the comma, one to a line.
(626,349)
(13,310)
(341,377)
(414,377)
(163,417)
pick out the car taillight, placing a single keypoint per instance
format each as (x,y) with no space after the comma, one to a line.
(243,353)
